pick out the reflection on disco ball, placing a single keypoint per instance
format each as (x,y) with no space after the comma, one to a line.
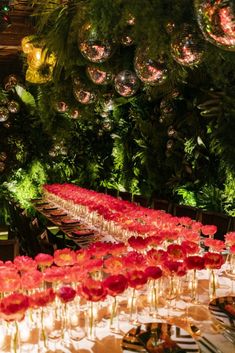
(83,95)
(96,51)
(166,107)
(13,107)
(171,132)
(4,114)
(217,22)
(3,156)
(2,166)
(126,83)
(74,114)
(61,107)
(99,76)
(170,144)
(187,47)
(127,40)
(152,72)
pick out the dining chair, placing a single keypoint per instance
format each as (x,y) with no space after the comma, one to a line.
(185,211)
(9,249)
(161,204)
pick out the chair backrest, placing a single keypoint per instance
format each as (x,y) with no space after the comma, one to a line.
(220,220)
(160,204)
(185,211)
(9,249)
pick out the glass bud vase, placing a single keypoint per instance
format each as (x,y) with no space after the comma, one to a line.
(212,284)
(114,315)
(154,289)
(91,319)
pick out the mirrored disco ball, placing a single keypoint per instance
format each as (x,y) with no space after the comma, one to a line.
(217,22)
(96,51)
(61,107)
(187,48)
(13,107)
(150,71)
(126,83)
(4,114)
(99,76)
(83,95)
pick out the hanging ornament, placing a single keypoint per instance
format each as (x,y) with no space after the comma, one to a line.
(96,51)
(170,27)
(10,82)
(217,22)
(3,156)
(187,48)
(83,95)
(99,76)
(127,39)
(126,83)
(166,107)
(74,113)
(170,144)
(2,166)
(171,132)
(61,107)
(13,107)
(150,71)
(4,114)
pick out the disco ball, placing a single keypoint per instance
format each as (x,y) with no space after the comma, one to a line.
(61,107)
(187,47)
(150,71)
(4,114)
(99,76)
(13,107)
(126,83)
(96,51)
(83,95)
(216,20)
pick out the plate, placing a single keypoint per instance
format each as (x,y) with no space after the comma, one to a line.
(159,337)
(223,309)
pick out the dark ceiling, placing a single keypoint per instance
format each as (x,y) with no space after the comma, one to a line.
(10,38)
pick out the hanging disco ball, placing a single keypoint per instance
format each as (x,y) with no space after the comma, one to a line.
(2,166)
(99,76)
(4,114)
(216,20)
(74,113)
(150,71)
(126,83)
(83,95)
(3,156)
(13,107)
(170,144)
(187,47)
(96,51)
(171,132)
(61,107)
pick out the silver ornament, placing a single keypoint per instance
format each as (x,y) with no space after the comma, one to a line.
(126,83)
(187,48)
(99,76)
(216,20)
(4,114)
(13,107)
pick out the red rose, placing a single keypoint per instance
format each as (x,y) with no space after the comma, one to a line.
(44,260)
(66,294)
(30,280)
(41,299)
(115,284)
(137,279)
(156,257)
(64,257)
(134,260)
(175,252)
(213,260)
(13,307)
(25,263)
(153,272)
(195,262)
(92,290)
(209,230)
(190,247)
(138,243)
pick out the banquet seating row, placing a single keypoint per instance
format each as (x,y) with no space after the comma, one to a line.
(223,222)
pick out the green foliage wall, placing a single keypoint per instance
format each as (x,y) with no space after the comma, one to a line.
(173,140)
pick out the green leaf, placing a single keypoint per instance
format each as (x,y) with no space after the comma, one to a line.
(200,142)
(25,96)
